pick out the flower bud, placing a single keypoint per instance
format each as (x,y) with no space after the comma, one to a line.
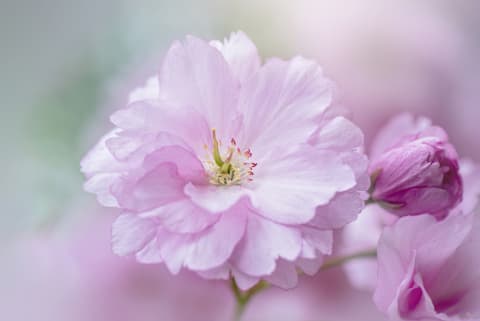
(417,175)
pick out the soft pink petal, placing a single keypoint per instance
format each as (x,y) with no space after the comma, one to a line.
(100,184)
(100,160)
(152,251)
(459,278)
(341,210)
(157,187)
(196,75)
(288,190)
(431,243)
(125,144)
(216,245)
(281,104)
(264,242)
(322,241)
(181,216)
(310,266)
(243,280)
(215,198)
(200,251)
(103,170)
(401,126)
(131,233)
(185,126)
(358,162)
(284,276)
(338,134)
(187,164)
(241,54)
(219,273)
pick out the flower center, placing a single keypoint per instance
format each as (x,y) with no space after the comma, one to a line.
(229,165)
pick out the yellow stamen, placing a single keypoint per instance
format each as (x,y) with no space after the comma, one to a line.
(216,152)
(231,168)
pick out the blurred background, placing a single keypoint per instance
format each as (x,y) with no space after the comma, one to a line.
(65,65)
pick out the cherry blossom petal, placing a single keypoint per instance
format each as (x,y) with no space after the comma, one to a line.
(196,75)
(241,54)
(290,189)
(263,243)
(281,104)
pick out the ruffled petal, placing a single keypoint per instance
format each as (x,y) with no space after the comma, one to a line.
(264,242)
(160,180)
(181,216)
(284,276)
(100,160)
(423,242)
(131,233)
(338,134)
(185,126)
(288,190)
(310,266)
(321,241)
(341,210)
(215,198)
(100,184)
(187,164)
(241,54)
(243,280)
(401,126)
(281,104)
(200,251)
(195,75)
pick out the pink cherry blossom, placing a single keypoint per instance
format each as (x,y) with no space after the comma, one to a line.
(428,270)
(224,166)
(364,233)
(415,169)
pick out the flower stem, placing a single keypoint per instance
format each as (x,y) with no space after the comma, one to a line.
(337,261)
(243,297)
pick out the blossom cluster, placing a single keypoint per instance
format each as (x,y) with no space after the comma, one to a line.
(236,169)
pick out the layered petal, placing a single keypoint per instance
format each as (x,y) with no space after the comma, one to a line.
(263,243)
(103,170)
(282,103)
(418,173)
(338,134)
(215,198)
(241,54)
(159,180)
(205,250)
(196,75)
(181,216)
(131,233)
(424,268)
(289,189)
(100,160)
(400,126)
(186,127)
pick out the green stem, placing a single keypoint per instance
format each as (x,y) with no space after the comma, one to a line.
(337,261)
(243,298)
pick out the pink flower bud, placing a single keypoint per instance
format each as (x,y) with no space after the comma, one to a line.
(418,174)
